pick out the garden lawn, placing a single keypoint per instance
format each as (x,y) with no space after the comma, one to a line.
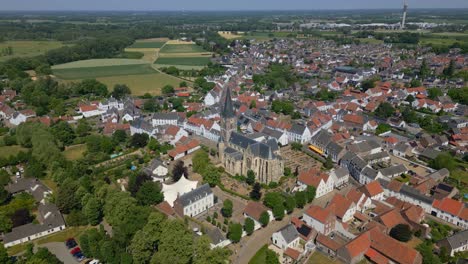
(260,256)
(7,151)
(74,152)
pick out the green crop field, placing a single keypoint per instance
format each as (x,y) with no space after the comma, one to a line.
(88,69)
(143,83)
(27,48)
(96,72)
(181,48)
(147,44)
(185,61)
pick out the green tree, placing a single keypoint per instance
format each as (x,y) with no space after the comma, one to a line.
(4,258)
(410,99)
(183,84)
(66,196)
(273,199)
(200,161)
(256,194)
(289,203)
(300,199)
(205,255)
(83,128)
(264,218)
(179,170)
(415,83)
(450,70)
(443,160)
(150,193)
(145,241)
(278,211)
(119,136)
(63,132)
(310,193)
(424,70)
(93,211)
(385,110)
(120,91)
(76,218)
(168,89)
(250,177)
(433,93)
(271,257)
(426,252)
(235,232)
(139,140)
(211,175)
(382,128)
(401,232)
(328,163)
(249,226)
(227,208)
(253,104)
(175,245)
(296,146)
(5,223)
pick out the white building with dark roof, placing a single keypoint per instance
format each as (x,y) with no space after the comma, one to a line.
(194,202)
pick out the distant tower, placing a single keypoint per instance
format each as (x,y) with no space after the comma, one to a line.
(403,20)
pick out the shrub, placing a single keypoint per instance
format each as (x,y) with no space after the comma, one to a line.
(401,233)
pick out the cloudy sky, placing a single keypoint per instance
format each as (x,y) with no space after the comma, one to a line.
(222,4)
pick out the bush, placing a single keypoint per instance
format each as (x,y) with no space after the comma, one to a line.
(401,233)
(249,226)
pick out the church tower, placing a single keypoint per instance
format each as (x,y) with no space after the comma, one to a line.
(228,123)
(228,117)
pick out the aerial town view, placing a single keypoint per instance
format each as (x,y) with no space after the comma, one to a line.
(245,132)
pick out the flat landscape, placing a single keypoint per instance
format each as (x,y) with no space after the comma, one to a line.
(27,48)
(96,68)
(147,44)
(181,48)
(182,56)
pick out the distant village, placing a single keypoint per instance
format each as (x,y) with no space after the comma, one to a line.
(365,130)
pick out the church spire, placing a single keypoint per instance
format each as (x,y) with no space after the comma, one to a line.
(228,108)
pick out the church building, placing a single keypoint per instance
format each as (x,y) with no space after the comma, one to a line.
(239,154)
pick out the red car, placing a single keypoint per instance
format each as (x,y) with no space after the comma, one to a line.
(75,250)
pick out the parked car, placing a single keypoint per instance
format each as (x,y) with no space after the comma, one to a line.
(75,250)
(79,256)
(71,243)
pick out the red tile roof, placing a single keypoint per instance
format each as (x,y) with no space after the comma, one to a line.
(372,189)
(318,213)
(448,205)
(294,254)
(255,210)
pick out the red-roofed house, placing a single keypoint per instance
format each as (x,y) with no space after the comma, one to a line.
(373,190)
(343,208)
(184,148)
(452,211)
(321,219)
(254,211)
(322,182)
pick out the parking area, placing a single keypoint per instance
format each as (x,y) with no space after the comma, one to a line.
(60,250)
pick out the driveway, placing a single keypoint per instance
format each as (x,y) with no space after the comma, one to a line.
(60,250)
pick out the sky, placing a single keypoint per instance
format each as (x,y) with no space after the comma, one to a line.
(178,5)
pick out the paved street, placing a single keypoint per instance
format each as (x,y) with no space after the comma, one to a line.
(250,245)
(60,250)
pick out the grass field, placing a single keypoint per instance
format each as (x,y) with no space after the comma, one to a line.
(187,61)
(145,44)
(370,41)
(28,48)
(143,83)
(7,151)
(74,152)
(181,48)
(87,69)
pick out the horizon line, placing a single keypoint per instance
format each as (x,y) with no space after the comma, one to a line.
(232,10)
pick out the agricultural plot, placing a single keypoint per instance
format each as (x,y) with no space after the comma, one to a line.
(181,48)
(185,61)
(101,68)
(229,34)
(26,48)
(142,83)
(147,44)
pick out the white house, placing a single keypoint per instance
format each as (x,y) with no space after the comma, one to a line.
(373,190)
(286,237)
(111,103)
(340,176)
(17,118)
(455,243)
(157,170)
(194,202)
(344,209)
(160,119)
(211,98)
(90,110)
(299,133)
